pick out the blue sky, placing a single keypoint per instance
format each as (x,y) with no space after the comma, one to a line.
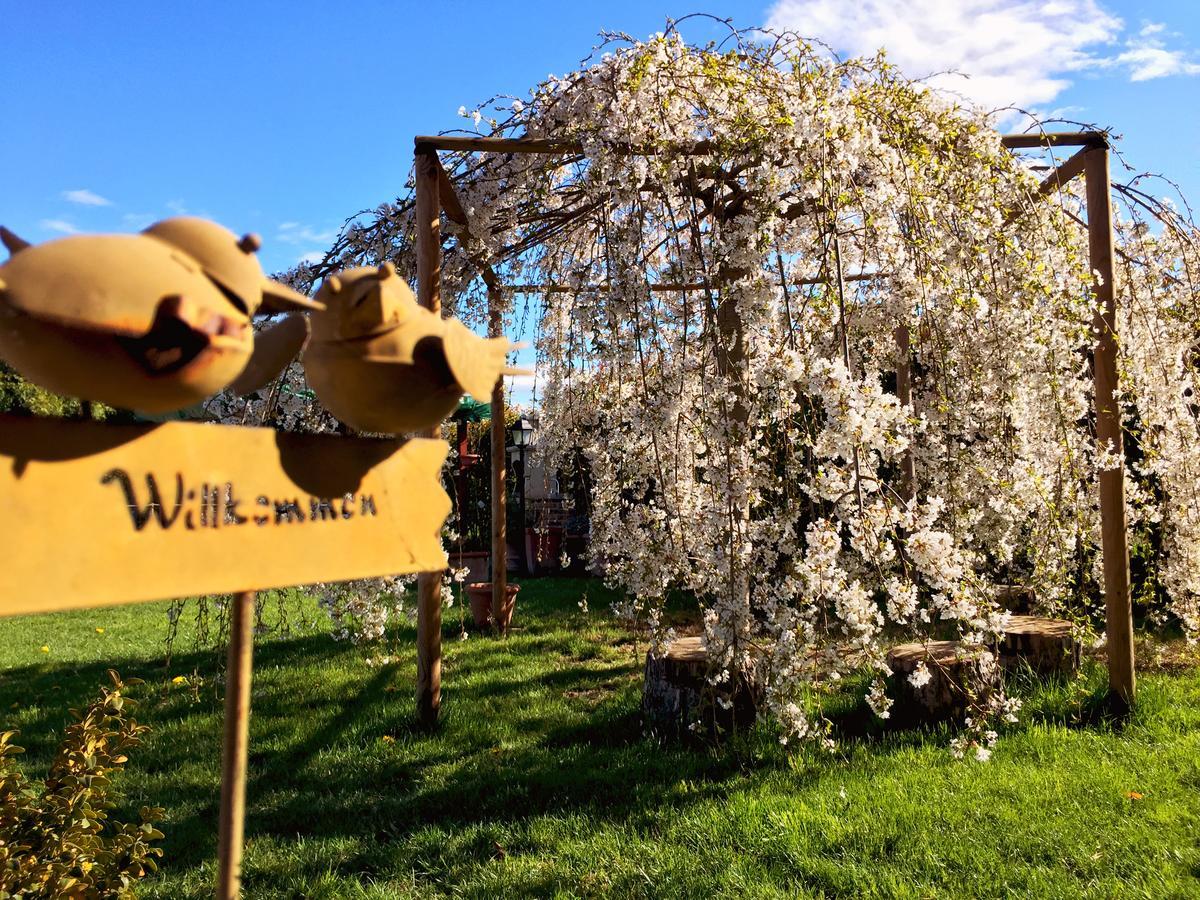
(285,118)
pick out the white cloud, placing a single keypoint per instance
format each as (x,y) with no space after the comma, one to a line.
(311,258)
(518,382)
(1007,52)
(84,197)
(1156,62)
(996,53)
(295,233)
(1147,56)
(60,225)
(524,382)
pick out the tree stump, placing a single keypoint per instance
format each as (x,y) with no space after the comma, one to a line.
(1048,646)
(677,695)
(960,677)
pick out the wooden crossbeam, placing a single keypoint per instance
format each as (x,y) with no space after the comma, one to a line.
(453,208)
(541,145)
(1055,181)
(1058,179)
(1055,139)
(497,145)
(669,288)
(554,146)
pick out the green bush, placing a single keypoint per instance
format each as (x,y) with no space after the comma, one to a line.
(56,839)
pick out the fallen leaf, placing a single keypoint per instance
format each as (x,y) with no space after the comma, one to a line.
(1133,795)
(99,631)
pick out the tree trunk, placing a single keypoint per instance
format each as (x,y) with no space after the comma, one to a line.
(679,703)
(1048,646)
(960,678)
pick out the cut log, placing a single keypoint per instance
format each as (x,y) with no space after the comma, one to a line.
(1048,646)
(678,702)
(959,678)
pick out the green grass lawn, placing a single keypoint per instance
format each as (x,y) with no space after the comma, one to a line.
(539,782)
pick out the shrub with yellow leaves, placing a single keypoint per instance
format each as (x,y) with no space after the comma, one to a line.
(56,839)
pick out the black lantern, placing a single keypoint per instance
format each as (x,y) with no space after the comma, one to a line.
(521,432)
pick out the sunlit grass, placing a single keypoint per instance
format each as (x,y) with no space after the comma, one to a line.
(539,782)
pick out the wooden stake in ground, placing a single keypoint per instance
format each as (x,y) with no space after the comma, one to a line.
(234,748)
(499,466)
(1114,536)
(428,242)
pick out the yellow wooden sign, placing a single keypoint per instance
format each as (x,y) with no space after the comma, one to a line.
(100,514)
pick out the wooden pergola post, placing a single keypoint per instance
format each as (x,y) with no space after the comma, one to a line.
(1092,163)
(499,463)
(1113,525)
(453,208)
(428,245)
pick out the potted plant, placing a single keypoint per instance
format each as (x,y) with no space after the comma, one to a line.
(476,562)
(482,610)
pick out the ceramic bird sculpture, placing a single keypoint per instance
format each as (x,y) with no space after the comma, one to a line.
(156,321)
(380,362)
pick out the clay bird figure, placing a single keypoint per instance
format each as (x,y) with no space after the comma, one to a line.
(380,362)
(156,321)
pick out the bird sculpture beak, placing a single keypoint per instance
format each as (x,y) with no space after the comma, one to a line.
(180,333)
(281,298)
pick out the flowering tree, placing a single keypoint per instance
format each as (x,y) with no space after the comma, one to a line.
(827,349)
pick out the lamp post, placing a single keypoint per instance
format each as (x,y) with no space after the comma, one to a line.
(521,433)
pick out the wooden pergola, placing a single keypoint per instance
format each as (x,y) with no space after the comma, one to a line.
(435,195)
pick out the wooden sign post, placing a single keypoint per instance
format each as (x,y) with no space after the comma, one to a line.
(235,744)
(98,514)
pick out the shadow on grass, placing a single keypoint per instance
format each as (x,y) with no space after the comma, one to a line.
(1078,702)
(335,751)
(1081,701)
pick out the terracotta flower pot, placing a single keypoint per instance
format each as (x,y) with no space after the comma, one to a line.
(485,617)
(476,562)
